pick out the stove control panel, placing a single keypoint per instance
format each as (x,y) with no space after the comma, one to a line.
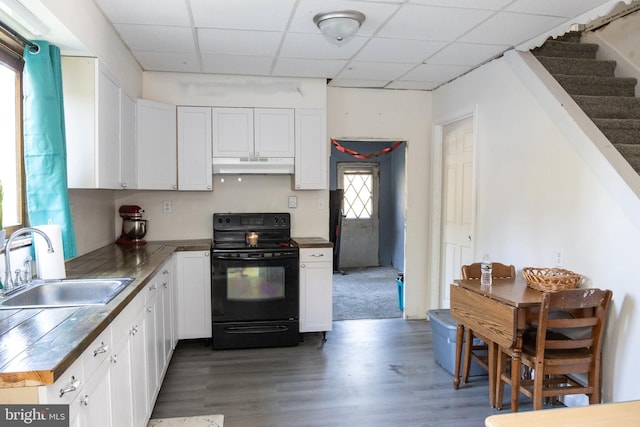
(253,222)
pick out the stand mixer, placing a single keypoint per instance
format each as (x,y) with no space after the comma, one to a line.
(133,226)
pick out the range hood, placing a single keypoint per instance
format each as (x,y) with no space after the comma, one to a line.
(253,165)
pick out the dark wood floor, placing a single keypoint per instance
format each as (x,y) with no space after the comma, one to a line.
(369,373)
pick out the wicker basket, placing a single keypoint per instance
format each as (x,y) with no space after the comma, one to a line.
(550,279)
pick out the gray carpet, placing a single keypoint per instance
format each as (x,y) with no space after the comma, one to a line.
(367,293)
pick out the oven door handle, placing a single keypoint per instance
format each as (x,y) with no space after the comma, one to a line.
(256,257)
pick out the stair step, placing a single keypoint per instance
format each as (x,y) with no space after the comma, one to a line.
(567,49)
(571,36)
(577,66)
(597,86)
(609,107)
(620,131)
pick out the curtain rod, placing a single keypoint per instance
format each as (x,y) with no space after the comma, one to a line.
(19,37)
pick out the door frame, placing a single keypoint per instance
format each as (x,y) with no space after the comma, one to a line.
(437,157)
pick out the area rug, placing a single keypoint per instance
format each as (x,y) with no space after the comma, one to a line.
(197,421)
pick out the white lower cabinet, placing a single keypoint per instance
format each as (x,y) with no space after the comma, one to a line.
(316,289)
(193,299)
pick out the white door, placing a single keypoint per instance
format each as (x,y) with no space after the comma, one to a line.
(458,210)
(359,240)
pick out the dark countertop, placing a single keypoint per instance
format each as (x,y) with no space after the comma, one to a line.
(311,242)
(38,345)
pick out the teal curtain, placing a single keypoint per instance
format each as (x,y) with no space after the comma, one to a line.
(45,154)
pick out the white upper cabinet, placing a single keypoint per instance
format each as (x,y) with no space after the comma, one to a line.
(233,132)
(253,132)
(156,146)
(128,176)
(311,172)
(194,149)
(92,124)
(273,132)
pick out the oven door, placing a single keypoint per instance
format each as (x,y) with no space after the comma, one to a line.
(254,287)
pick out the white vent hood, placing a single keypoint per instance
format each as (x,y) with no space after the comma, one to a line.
(253,165)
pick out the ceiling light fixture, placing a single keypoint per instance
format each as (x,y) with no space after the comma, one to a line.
(339,24)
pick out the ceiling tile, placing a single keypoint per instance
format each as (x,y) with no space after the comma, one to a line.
(434,73)
(146,37)
(269,15)
(316,46)
(409,85)
(168,61)
(398,50)
(465,4)
(432,23)
(238,42)
(150,12)
(230,64)
(374,70)
(321,68)
(465,54)
(510,28)
(565,8)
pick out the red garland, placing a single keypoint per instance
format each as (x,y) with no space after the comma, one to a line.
(365,156)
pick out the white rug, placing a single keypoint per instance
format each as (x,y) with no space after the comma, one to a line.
(198,421)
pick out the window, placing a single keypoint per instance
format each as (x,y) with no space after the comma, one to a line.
(11,173)
(358,194)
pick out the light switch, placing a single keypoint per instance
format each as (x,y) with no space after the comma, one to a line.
(293,202)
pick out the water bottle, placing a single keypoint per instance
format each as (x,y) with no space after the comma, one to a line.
(486,269)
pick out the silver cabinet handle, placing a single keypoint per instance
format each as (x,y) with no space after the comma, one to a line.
(84,401)
(153,287)
(302,266)
(73,386)
(317,255)
(114,359)
(166,285)
(134,330)
(165,272)
(206,254)
(102,349)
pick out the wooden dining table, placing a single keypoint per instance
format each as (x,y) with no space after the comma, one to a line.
(499,312)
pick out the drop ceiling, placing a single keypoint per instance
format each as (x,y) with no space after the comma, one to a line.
(410,44)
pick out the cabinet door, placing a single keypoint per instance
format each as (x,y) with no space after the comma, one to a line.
(156,146)
(128,179)
(274,132)
(168,309)
(193,276)
(95,402)
(138,354)
(311,150)
(151,344)
(120,377)
(194,149)
(316,290)
(108,161)
(233,132)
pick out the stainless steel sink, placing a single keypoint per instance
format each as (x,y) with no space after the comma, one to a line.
(64,293)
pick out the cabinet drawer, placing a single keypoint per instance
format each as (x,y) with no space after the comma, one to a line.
(96,353)
(316,255)
(66,388)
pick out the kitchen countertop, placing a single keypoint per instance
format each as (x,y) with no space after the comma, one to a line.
(311,242)
(38,345)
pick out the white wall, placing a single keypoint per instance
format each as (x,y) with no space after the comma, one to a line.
(362,114)
(536,196)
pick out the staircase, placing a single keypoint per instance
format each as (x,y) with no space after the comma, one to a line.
(607,100)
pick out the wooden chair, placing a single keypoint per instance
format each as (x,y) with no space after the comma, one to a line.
(479,352)
(567,342)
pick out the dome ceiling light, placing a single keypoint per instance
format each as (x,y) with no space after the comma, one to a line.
(339,24)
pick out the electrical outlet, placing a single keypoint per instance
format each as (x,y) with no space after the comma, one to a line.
(293,202)
(559,258)
(166,207)
(320,203)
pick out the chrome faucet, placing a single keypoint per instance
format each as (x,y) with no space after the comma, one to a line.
(8,280)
